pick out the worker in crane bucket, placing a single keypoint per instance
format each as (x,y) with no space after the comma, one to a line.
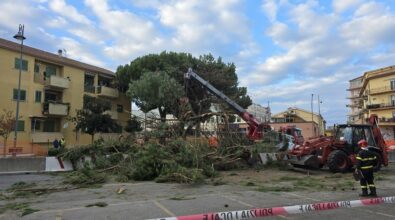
(365,163)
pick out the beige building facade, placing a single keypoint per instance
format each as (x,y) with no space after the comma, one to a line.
(53,87)
(312,124)
(355,116)
(378,97)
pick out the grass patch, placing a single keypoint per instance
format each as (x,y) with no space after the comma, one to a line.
(178,198)
(98,204)
(28,211)
(275,189)
(218,182)
(233,174)
(335,176)
(21,185)
(250,184)
(289,178)
(23,208)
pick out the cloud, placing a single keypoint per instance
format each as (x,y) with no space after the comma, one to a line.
(130,33)
(371,24)
(342,5)
(77,51)
(60,7)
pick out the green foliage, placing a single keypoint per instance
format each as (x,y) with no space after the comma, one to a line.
(221,75)
(21,185)
(134,125)
(85,177)
(23,208)
(92,119)
(54,152)
(7,125)
(156,90)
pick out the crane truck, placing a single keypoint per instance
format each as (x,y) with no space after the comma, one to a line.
(255,128)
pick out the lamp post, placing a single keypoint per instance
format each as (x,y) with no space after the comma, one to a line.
(20,37)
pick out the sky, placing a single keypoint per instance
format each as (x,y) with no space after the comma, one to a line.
(284,50)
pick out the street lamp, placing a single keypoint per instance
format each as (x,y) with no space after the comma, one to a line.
(20,37)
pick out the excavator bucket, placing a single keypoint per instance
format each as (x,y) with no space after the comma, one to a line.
(310,161)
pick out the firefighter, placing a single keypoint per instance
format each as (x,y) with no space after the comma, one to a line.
(366,161)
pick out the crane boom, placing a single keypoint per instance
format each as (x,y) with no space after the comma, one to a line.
(255,127)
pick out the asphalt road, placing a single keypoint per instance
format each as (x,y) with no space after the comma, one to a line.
(146,200)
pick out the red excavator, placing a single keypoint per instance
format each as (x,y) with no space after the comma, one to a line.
(339,152)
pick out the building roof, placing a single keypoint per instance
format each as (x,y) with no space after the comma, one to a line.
(376,74)
(295,108)
(50,57)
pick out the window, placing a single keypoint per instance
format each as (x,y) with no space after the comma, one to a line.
(49,71)
(36,68)
(89,81)
(393,100)
(392,84)
(120,108)
(20,126)
(35,125)
(24,64)
(38,96)
(49,125)
(22,97)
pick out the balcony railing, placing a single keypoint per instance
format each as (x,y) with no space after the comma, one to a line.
(380,105)
(107,92)
(45,137)
(55,109)
(57,82)
(381,90)
(388,120)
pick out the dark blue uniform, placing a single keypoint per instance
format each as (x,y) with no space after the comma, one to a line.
(366,160)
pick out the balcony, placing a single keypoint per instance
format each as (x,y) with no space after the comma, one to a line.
(108,92)
(387,121)
(113,114)
(55,109)
(45,137)
(379,90)
(381,106)
(57,82)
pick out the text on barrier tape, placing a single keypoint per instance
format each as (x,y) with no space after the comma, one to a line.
(295,209)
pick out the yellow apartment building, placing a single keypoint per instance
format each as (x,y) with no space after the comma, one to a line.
(378,95)
(355,116)
(312,124)
(53,87)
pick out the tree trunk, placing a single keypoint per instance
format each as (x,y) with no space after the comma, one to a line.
(5,146)
(162,114)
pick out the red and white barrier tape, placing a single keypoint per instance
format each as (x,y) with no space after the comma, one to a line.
(295,209)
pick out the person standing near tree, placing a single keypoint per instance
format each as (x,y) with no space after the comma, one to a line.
(55,143)
(62,143)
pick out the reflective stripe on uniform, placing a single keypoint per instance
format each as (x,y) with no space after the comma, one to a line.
(366,159)
(372,185)
(364,187)
(366,167)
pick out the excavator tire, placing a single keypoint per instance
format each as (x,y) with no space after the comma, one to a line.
(338,162)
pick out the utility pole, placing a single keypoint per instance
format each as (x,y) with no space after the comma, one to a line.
(319,115)
(19,36)
(312,114)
